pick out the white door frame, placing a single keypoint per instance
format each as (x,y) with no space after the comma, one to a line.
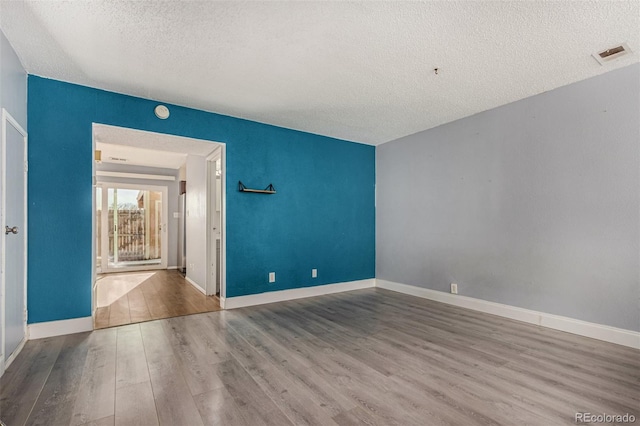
(159,225)
(219,152)
(8,119)
(165,235)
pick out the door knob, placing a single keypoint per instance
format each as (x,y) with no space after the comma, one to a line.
(9,230)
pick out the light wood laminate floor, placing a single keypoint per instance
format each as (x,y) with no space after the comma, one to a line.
(132,297)
(364,357)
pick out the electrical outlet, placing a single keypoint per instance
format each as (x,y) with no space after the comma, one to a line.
(454,288)
(314,273)
(272,277)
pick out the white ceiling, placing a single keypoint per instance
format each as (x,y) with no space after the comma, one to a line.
(149,149)
(130,156)
(361,71)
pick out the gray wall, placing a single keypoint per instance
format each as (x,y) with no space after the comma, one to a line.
(534,204)
(174,187)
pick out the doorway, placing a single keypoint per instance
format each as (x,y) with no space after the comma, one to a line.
(137,256)
(131,232)
(13,216)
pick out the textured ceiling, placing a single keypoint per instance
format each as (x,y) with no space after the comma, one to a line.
(147,148)
(360,71)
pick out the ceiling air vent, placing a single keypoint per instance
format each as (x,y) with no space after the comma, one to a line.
(612,53)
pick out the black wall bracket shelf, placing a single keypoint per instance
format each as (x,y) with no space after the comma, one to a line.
(268,190)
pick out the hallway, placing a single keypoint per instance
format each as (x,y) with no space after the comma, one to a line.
(133,297)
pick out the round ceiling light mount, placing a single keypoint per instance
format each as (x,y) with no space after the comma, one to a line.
(162,112)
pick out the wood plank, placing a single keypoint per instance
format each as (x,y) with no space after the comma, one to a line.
(138,309)
(155,302)
(246,393)
(135,405)
(97,386)
(56,401)
(131,361)
(105,421)
(119,312)
(356,417)
(217,407)
(22,382)
(174,402)
(173,399)
(198,369)
(101,319)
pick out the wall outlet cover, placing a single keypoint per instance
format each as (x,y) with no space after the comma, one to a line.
(314,273)
(272,277)
(454,288)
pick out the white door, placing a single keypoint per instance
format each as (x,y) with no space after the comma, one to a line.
(14,237)
(133,234)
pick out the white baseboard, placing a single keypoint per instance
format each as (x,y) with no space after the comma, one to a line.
(172,267)
(4,365)
(193,283)
(40,330)
(296,293)
(619,336)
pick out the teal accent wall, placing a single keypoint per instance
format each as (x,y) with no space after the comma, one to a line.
(323,215)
